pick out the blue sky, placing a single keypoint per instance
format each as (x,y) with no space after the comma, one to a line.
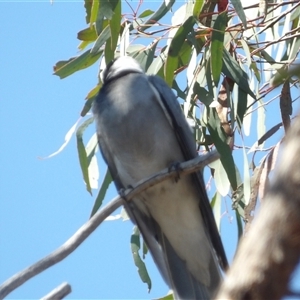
(43,202)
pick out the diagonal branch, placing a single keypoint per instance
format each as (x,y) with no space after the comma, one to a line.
(84,231)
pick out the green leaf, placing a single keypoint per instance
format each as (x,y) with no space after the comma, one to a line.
(114,25)
(256,71)
(102,192)
(239,224)
(269,133)
(87,106)
(179,92)
(102,38)
(108,54)
(106,8)
(167,297)
(198,5)
(223,148)
(216,204)
(135,247)
(241,107)
(174,49)
(145,249)
(146,13)
(94,12)
(66,68)
(217,45)
(185,54)
(247,52)
(145,58)
(221,178)
(93,168)
(233,70)
(94,91)
(240,11)
(87,34)
(88,7)
(203,95)
(83,45)
(162,10)
(156,65)
(82,155)
(247,185)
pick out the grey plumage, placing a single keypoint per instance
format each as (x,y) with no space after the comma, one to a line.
(142,130)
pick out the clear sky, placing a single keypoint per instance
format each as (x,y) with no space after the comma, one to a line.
(43,202)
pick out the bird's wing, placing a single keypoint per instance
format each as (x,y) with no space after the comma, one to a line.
(146,224)
(188,148)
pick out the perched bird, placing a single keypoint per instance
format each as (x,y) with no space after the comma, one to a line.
(142,130)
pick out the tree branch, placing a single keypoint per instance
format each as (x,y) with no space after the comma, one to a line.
(84,231)
(59,292)
(269,253)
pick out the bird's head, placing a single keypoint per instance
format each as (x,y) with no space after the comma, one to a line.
(120,67)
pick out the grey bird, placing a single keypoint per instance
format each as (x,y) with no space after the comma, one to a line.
(142,130)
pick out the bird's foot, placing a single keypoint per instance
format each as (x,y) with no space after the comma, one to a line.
(175,166)
(123,193)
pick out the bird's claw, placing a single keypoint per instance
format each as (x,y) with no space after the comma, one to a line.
(122,192)
(175,166)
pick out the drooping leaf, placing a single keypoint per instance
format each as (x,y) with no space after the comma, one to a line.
(88,7)
(203,95)
(93,168)
(64,69)
(221,179)
(241,107)
(240,11)
(239,225)
(135,248)
(82,155)
(231,69)
(217,45)
(216,204)
(91,147)
(269,133)
(198,5)
(102,192)
(68,137)
(247,184)
(174,49)
(114,25)
(220,141)
(102,38)
(94,12)
(87,106)
(108,54)
(286,108)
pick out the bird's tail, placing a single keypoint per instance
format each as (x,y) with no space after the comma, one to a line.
(184,284)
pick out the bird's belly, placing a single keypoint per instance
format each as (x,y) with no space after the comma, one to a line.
(174,206)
